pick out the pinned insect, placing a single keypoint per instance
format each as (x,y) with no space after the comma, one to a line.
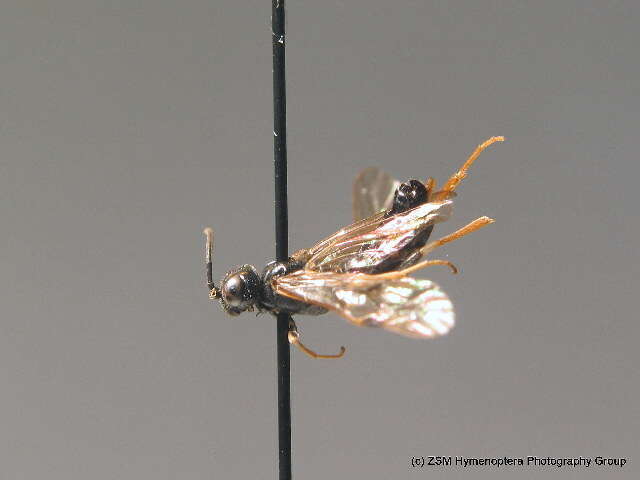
(362,271)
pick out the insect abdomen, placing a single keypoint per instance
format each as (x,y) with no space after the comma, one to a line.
(404,257)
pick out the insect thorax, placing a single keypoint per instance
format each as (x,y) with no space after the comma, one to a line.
(275,303)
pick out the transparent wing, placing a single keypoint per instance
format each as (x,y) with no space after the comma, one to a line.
(376,244)
(373,191)
(408,306)
(363,226)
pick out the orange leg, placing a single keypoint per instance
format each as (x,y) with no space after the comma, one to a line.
(467,229)
(294,339)
(417,266)
(451,184)
(477,224)
(430,184)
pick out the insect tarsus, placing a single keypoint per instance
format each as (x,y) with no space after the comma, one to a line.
(294,339)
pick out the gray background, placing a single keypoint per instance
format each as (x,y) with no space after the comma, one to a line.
(127,126)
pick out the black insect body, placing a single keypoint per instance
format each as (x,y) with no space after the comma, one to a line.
(362,271)
(273,302)
(409,195)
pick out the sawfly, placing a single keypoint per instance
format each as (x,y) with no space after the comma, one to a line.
(362,271)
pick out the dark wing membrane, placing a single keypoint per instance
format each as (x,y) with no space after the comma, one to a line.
(373,244)
(408,306)
(373,191)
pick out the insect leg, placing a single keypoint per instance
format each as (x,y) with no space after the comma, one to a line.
(417,266)
(467,229)
(430,183)
(477,224)
(294,339)
(213,291)
(451,184)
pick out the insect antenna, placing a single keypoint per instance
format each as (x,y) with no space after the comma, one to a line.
(214,292)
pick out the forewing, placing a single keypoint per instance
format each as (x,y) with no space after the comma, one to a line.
(372,243)
(373,191)
(413,307)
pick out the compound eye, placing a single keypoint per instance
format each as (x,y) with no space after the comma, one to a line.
(234,291)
